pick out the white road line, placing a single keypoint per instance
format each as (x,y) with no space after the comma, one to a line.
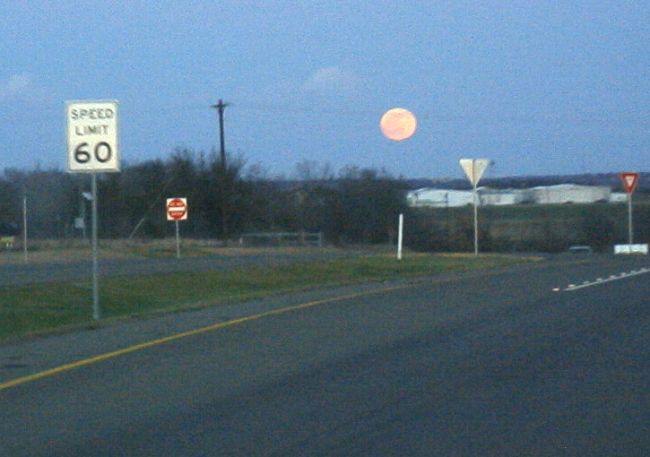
(599,281)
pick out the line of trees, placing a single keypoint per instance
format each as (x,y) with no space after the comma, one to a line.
(354,205)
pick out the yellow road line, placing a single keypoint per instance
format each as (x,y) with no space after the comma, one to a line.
(177,336)
(209,328)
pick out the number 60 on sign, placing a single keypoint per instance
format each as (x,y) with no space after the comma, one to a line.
(91,127)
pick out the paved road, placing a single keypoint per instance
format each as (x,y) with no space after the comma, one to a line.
(16,274)
(514,363)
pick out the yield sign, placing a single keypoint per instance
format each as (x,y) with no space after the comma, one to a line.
(629,179)
(176,209)
(474,168)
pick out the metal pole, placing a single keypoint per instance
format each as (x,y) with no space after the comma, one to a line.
(475,208)
(630,229)
(96,311)
(475,222)
(25,227)
(400,238)
(83,217)
(178,242)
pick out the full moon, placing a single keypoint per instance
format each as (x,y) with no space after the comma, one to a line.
(397,124)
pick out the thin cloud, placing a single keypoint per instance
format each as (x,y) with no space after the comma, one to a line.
(15,85)
(330,79)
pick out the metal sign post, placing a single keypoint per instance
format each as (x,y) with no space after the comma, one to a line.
(630,180)
(630,229)
(474,169)
(176,209)
(475,201)
(92,147)
(178,241)
(96,309)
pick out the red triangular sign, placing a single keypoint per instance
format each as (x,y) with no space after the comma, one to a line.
(630,179)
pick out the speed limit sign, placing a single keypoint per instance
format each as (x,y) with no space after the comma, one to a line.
(92,136)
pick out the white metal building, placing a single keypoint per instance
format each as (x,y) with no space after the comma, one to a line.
(501,197)
(439,198)
(569,193)
(618,197)
(542,195)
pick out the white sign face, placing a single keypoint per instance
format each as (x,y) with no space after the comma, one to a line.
(176,209)
(474,168)
(631,249)
(92,136)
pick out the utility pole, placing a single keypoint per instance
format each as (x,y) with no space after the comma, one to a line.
(220,107)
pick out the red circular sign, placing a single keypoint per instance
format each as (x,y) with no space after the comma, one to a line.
(176,209)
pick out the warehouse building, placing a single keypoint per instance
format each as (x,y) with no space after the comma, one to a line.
(618,197)
(542,195)
(501,197)
(439,198)
(447,198)
(569,193)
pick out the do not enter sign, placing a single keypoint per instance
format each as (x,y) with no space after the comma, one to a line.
(176,209)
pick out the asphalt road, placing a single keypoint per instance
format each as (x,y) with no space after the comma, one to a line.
(511,363)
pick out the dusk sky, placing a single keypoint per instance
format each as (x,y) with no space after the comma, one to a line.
(540,87)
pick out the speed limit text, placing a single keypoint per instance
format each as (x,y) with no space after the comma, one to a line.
(91,113)
(85,130)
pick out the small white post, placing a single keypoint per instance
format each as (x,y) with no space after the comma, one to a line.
(400,236)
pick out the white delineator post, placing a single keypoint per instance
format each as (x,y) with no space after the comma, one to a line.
(400,236)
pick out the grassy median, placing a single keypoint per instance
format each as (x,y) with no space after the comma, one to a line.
(38,308)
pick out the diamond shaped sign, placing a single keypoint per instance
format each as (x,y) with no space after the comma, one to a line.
(630,180)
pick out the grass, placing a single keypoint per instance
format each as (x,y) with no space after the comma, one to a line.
(41,251)
(39,308)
